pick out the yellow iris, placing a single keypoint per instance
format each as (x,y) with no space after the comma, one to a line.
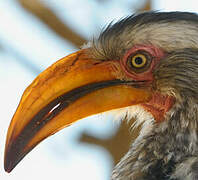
(139,60)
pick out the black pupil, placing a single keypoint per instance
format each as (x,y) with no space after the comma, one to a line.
(138,60)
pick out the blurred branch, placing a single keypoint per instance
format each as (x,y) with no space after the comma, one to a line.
(21,59)
(1,48)
(147,6)
(47,16)
(117,145)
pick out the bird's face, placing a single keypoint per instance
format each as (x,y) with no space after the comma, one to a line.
(137,66)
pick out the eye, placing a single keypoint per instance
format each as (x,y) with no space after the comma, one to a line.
(139,61)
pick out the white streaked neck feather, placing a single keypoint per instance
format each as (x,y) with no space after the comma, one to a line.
(136,113)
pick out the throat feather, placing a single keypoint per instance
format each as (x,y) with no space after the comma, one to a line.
(138,115)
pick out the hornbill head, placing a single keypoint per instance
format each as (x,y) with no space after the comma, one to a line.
(145,68)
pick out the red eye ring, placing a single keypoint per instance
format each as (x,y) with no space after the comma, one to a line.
(155,53)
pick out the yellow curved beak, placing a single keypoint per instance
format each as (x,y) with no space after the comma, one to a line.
(72,88)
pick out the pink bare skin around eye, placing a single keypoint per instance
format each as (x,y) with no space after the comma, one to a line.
(156,55)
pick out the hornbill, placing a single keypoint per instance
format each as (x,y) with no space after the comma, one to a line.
(143,68)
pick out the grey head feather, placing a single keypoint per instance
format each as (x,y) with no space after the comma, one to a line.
(167,30)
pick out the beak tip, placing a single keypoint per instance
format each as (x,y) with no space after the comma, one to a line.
(10,162)
(8,166)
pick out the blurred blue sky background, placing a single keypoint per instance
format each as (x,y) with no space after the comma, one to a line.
(27,47)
